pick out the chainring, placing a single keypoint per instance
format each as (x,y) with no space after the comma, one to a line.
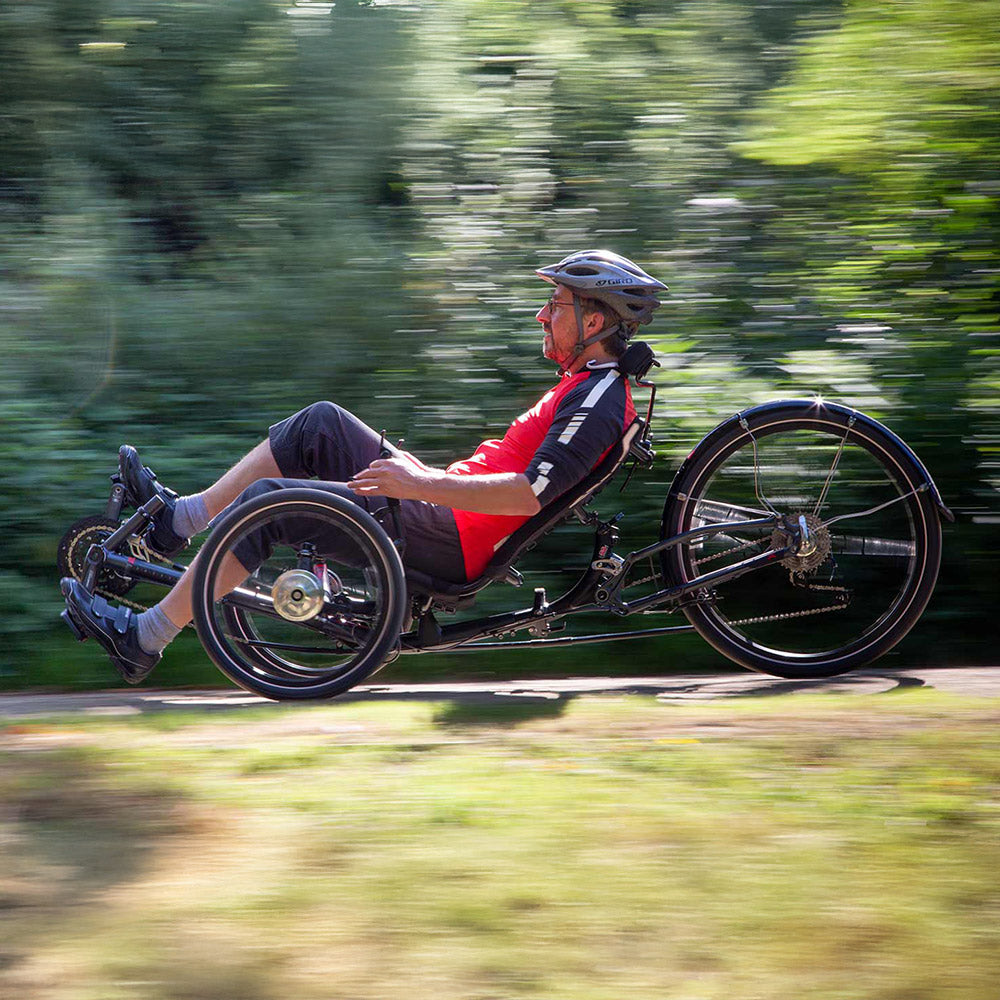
(71,556)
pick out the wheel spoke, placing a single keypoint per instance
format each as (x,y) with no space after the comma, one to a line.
(758,490)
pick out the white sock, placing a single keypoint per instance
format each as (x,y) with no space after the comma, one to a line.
(156,630)
(190,516)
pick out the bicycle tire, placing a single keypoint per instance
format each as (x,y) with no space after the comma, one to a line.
(266,670)
(895,559)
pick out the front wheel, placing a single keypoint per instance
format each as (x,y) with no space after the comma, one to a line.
(323,607)
(868,568)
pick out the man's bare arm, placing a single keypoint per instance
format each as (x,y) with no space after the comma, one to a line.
(406,479)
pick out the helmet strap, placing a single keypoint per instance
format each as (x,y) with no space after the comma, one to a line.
(578,312)
(582,343)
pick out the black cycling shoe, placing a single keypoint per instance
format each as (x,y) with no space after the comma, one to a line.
(141,484)
(113,627)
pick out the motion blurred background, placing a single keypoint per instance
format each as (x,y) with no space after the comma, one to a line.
(212,214)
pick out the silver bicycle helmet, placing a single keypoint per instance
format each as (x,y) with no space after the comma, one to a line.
(612,279)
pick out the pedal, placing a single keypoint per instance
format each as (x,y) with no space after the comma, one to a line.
(73,627)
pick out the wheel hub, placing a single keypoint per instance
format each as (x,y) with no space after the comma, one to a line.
(298,595)
(814,543)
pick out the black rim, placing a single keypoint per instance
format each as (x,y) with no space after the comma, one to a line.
(871,574)
(271,650)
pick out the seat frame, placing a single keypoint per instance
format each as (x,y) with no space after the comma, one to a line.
(427,591)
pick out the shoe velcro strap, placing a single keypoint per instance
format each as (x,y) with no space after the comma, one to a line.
(121,619)
(118,617)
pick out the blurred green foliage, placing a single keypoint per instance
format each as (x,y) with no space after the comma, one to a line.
(213,214)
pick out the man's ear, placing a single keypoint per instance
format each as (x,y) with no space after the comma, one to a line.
(593,323)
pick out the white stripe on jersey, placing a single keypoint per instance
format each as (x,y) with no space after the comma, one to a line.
(576,421)
(542,479)
(595,394)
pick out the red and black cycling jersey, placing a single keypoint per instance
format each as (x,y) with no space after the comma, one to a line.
(555,444)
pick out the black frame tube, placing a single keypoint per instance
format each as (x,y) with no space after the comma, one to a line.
(140,569)
(717,576)
(464,636)
(570,640)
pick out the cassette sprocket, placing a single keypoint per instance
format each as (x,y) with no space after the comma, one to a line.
(813,553)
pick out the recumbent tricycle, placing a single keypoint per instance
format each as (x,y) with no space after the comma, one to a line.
(800,538)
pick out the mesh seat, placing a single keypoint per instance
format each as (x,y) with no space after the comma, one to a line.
(525,538)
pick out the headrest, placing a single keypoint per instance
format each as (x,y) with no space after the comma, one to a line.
(637,359)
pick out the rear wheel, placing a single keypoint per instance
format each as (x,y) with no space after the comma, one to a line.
(869,566)
(321,612)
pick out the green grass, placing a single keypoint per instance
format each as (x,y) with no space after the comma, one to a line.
(797,846)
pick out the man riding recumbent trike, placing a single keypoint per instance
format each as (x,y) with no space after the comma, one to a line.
(799,538)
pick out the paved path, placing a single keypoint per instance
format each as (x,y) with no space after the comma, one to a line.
(973,681)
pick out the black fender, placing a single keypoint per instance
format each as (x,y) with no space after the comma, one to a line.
(833,412)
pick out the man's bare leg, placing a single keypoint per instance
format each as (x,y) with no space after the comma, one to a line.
(177,604)
(258,464)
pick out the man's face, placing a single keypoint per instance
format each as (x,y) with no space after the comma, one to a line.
(558,319)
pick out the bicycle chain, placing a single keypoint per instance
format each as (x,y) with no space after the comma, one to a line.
(781,616)
(144,552)
(727,552)
(793,614)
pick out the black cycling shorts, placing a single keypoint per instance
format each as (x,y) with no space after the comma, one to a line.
(323,447)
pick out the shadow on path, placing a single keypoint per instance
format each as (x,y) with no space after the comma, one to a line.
(514,700)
